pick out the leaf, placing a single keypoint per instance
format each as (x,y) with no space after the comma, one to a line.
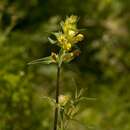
(51,100)
(46,60)
(56,34)
(83,29)
(87,98)
(51,40)
(78,101)
(62,24)
(82,90)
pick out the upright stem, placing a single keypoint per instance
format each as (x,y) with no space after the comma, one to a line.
(57,98)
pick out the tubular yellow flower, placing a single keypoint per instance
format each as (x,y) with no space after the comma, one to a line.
(61,39)
(71,20)
(63,42)
(71,33)
(79,37)
(67,46)
(70,24)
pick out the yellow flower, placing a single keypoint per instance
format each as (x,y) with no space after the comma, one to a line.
(71,33)
(69,36)
(79,37)
(63,42)
(67,46)
(61,39)
(71,20)
(70,24)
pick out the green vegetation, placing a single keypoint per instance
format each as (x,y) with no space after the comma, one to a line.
(103,66)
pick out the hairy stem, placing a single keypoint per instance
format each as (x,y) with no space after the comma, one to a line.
(57,98)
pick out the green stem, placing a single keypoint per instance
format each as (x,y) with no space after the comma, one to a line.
(57,98)
(62,125)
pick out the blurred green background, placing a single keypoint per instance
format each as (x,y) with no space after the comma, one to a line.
(103,66)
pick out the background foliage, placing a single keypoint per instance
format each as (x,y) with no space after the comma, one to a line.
(103,66)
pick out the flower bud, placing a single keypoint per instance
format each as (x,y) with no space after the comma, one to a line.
(68,57)
(54,57)
(71,33)
(72,19)
(63,100)
(76,52)
(79,37)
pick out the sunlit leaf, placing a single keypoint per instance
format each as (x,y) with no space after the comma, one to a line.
(51,40)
